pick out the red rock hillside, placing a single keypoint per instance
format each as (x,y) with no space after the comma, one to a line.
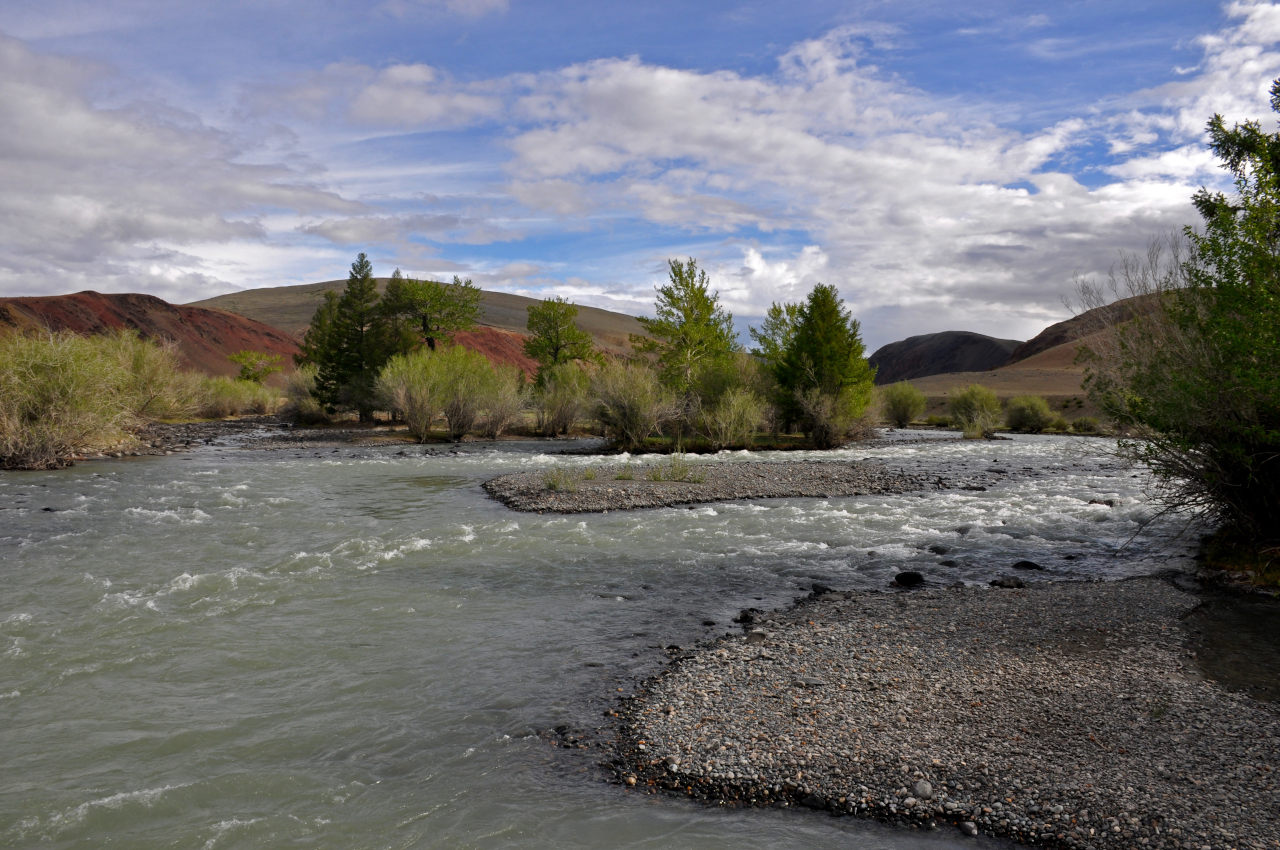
(204,337)
(499,346)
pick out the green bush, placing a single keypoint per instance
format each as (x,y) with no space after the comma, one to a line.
(731,421)
(976,410)
(1086,425)
(1028,413)
(1059,423)
(410,385)
(153,383)
(502,400)
(233,397)
(300,394)
(902,403)
(60,394)
(937,421)
(630,403)
(466,377)
(560,397)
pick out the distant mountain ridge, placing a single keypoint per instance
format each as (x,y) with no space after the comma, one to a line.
(940,353)
(290,308)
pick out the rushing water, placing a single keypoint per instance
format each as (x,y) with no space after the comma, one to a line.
(355,648)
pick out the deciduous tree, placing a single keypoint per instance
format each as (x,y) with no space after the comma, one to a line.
(690,330)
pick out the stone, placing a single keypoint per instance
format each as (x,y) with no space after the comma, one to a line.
(1027,565)
(1008,582)
(757,636)
(908,578)
(923,789)
(969,828)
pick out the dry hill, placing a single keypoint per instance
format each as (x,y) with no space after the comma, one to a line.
(204,337)
(936,353)
(290,308)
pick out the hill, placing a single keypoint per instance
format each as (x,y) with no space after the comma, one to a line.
(937,353)
(204,337)
(1083,325)
(290,309)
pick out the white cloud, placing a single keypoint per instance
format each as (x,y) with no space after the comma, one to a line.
(108,198)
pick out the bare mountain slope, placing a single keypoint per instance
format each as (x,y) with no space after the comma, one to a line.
(290,308)
(937,353)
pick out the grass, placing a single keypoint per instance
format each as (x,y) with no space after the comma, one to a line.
(678,469)
(1255,562)
(560,480)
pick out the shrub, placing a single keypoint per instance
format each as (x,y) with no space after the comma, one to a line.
(902,403)
(466,377)
(976,410)
(1028,413)
(59,395)
(410,386)
(233,397)
(831,420)
(502,400)
(153,383)
(1086,425)
(630,403)
(1059,423)
(299,390)
(560,480)
(937,421)
(560,396)
(732,420)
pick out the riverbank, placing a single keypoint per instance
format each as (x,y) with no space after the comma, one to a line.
(1061,715)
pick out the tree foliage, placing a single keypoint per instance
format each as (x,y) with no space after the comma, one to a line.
(1195,375)
(435,310)
(630,403)
(824,380)
(690,329)
(348,342)
(554,336)
(255,366)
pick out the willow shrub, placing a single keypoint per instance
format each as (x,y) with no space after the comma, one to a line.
(153,383)
(466,381)
(1028,413)
(503,401)
(60,394)
(409,385)
(733,419)
(224,396)
(560,397)
(630,403)
(902,403)
(300,396)
(976,410)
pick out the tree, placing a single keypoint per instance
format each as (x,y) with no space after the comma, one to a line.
(255,366)
(347,341)
(555,338)
(1195,375)
(691,330)
(824,378)
(438,310)
(776,331)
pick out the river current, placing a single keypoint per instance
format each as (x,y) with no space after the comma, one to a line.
(245,647)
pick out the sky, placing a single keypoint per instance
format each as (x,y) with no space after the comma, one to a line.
(946,166)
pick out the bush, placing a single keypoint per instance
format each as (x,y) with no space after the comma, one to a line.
(466,377)
(153,382)
(1028,413)
(60,394)
(630,403)
(503,400)
(902,403)
(976,410)
(560,396)
(300,394)
(410,386)
(732,421)
(1059,423)
(234,397)
(1086,425)
(937,421)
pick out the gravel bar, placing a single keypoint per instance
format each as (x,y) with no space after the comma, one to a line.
(705,482)
(1059,715)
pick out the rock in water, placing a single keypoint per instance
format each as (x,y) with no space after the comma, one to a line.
(1008,581)
(1027,565)
(909,578)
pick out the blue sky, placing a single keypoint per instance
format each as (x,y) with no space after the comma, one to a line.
(945,167)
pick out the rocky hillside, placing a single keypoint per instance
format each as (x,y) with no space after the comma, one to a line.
(1078,327)
(204,337)
(939,353)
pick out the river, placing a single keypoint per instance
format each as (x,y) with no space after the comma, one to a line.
(246,647)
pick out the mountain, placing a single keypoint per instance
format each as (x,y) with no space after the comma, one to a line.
(204,337)
(1078,327)
(939,353)
(290,308)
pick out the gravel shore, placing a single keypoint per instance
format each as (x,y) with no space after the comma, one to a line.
(1060,715)
(570,492)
